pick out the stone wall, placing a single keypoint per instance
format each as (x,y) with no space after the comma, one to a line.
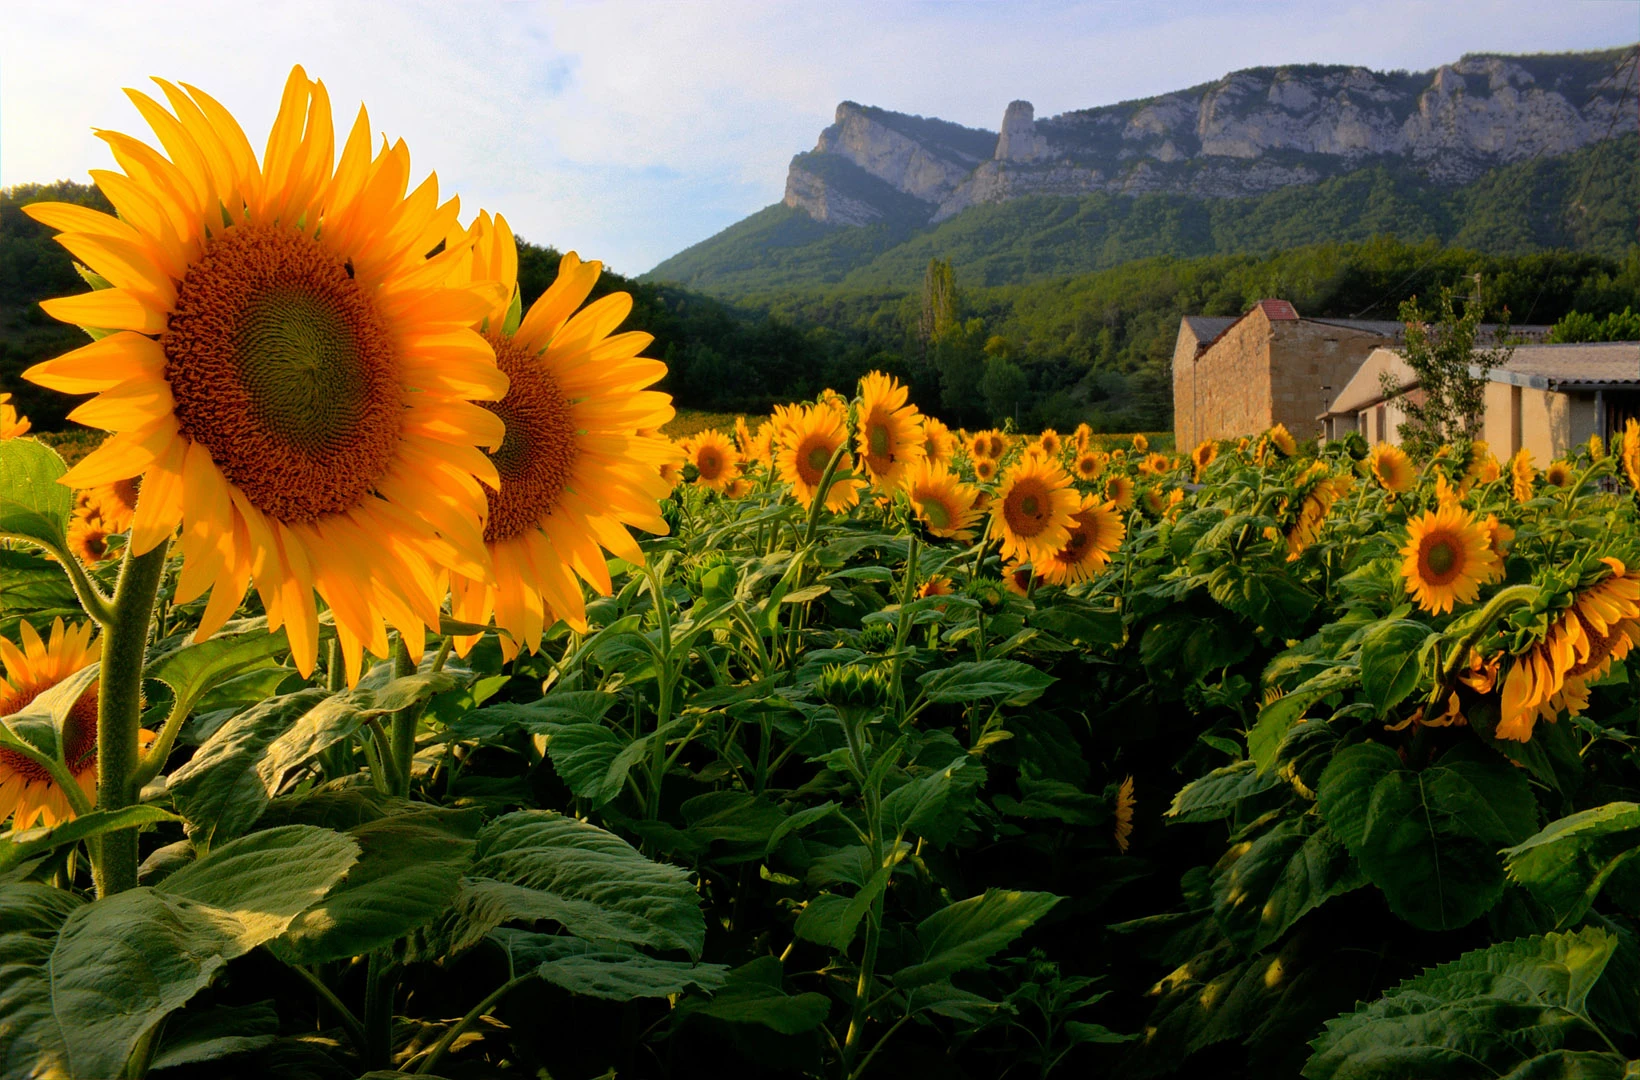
(1225,393)
(1184,371)
(1306,357)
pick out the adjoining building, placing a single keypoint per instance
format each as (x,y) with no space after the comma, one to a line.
(1547,398)
(1242,375)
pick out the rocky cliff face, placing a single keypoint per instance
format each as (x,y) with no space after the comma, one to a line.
(1248,133)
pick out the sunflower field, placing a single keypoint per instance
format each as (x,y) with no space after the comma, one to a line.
(384,695)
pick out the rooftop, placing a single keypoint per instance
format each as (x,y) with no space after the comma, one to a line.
(1586,365)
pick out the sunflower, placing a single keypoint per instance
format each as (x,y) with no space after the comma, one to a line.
(939,445)
(806,446)
(289,373)
(985,469)
(1096,532)
(1140,443)
(574,470)
(738,489)
(944,504)
(1482,467)
(1124,814)
(1081,437)
(27,791)
(88,536)
(938,585)
(1050,442)
(713,456)
(116,503)
(890,441)
(671,474)
(990,444)
(1156,465)
(1498,537)
(1089,464)
(1317,504)
(1597,447)
(1558,474)
(1392,468)
(1521,474)
(1203,456)
(1282,440)
(1448,556)
(1631,453)
(11,424)
(1601,625)
(1119,492)
(743,438)
(1033,508)
(1018,577)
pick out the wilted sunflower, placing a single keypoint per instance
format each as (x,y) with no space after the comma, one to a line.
(939,445)
(284,367)
(1119,492)
(575,472)
(1448,557)
(1558,474)
(1033,508)
(11,424)
(27,791)
(1124,814)
(1050,442)
(1601,626)
(1521,474)
(1392,468)
(944,504)
(1089,465)
(714,459)
(88,536)
(890,441)
(806,446)
(1203,456)
(1096,532)
(985,469)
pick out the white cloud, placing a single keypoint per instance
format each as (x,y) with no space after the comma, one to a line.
(630,130)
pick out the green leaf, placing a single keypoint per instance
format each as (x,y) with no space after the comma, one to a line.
(797,822)
(1390,661)
(410,866)
(217,1033)
(337,718)
(193,670)
(535,864)
(267,878)
(1288,871)
(754,994)
(1274,719)
(219,790)
(1428,839)
(24,845)
(30,916)
(970,932)
(594,760)
(734,818)
(1269,598)
(1218,794)
(1011,681)
(1566,865)
(1489,1012)
(832,920)
(1080,622)
(33,505)
(535,717)
(611,972)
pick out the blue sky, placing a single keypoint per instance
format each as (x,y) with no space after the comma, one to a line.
(629,131)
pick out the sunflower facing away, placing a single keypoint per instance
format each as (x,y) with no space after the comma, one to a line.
(1601,626)
(1082,437)
(944,504)
(1448,557)
(1124,814)
(1096,532)
(574,471)
(714,459)
(807,443)
(284,367)
(1033,508)
(27,791)
(1392,468)
(1521,474)
(890,440)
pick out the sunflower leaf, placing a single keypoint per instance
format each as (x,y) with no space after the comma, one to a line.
(33,505)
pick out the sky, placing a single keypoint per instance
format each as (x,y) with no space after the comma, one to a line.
(629,131)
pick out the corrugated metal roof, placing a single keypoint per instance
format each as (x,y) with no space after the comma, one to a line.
(1587,363)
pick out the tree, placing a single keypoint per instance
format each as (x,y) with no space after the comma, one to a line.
(939,302)
(1447,369)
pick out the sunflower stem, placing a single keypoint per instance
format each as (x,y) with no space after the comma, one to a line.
(91,598)
(403,747)
(119,712)
(822,492)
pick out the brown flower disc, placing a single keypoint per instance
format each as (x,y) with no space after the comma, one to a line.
(282,367)
(537,456)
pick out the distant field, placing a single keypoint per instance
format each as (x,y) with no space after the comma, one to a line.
(691,421)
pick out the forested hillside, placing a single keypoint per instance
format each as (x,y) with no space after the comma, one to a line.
(1587,200)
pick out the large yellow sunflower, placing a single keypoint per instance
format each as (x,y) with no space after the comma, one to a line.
(990,444)
(286,369)
(1033,508)
(806,444)
(1521,474)
(1119,492)
(1050,442)
(1601,626)
(1392,468)
(944,504)
(938,443)
(890,439)
(1448,557)
(713,456)
(1089,464)
(1096,532)
(575,473)
(27,791)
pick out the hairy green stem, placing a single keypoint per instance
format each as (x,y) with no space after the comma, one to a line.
(403,744)
(442,1047)
(349,1022)
(119,712)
